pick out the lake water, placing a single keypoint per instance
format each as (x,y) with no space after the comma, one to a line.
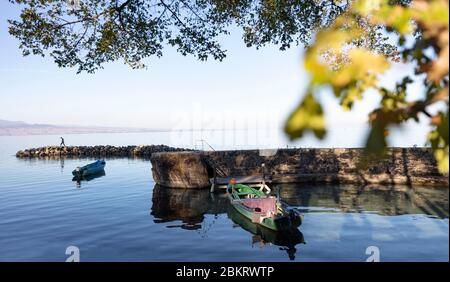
(123,216)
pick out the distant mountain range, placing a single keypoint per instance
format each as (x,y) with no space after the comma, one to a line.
(8,127)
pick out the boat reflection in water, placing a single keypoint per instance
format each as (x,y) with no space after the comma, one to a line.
(79,179)
(186,205)
(191,205)
(286,239)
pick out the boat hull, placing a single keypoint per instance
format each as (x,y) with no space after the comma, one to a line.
(288,237)
(90,169)
(275,223)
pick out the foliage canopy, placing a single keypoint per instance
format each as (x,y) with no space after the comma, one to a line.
(348,46)
(338,60)
(87,33)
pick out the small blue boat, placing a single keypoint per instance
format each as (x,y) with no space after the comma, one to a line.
(89,169)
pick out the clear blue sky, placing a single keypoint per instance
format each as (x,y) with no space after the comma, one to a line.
(250,88)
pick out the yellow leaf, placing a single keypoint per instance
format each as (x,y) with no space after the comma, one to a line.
(442,158)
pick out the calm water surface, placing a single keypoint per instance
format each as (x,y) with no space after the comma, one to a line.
(123,216)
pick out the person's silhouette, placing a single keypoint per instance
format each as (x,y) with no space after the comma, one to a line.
(62,142)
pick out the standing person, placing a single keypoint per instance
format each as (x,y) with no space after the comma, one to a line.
(62,142)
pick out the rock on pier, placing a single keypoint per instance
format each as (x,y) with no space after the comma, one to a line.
(180,170)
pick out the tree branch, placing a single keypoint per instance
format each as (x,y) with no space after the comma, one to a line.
(173,14)
(94,18)
(192,10)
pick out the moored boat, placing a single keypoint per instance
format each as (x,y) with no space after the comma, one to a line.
(287,239)
(262,209)
(90,169)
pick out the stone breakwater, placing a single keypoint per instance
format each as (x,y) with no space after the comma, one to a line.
(96,151)
(403,166)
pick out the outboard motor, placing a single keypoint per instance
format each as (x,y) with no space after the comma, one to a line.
(294,217)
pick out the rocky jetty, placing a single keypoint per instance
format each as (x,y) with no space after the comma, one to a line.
(144,151)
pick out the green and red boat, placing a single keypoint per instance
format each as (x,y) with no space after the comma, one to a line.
(259,208)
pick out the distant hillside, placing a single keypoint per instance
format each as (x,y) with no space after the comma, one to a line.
(8,127)
(9,123)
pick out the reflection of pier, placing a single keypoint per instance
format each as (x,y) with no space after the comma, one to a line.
(190,205)
(387,200)
(187,206)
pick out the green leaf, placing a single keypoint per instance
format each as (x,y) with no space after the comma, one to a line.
(307,117)
(376,140)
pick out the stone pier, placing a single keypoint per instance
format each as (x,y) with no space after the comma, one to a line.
(403,166)
(183,168)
